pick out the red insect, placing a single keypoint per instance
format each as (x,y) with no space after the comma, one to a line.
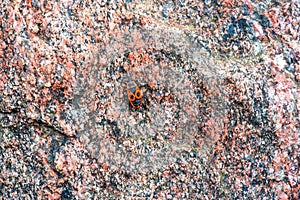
(134,94)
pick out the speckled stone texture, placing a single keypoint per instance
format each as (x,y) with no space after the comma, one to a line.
(220,110)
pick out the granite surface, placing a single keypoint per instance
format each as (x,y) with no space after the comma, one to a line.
(220,111)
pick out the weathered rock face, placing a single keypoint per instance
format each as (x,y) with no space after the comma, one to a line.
(220,111)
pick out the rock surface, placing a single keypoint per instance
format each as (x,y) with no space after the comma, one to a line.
(220,108)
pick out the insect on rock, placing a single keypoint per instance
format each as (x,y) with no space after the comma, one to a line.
(134,94)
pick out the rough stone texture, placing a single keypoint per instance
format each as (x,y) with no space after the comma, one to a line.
(220,113)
